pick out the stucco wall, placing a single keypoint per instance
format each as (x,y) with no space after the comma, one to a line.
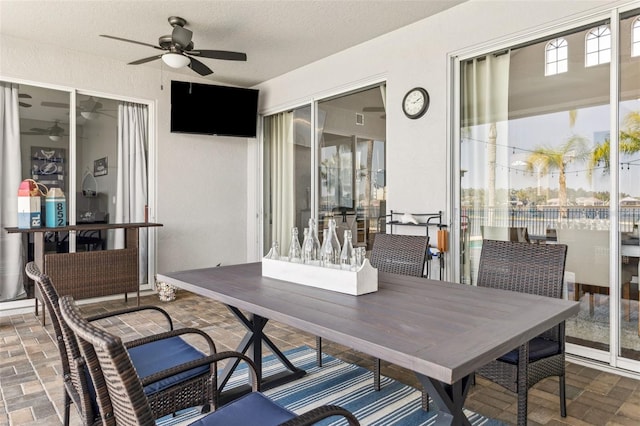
(201,180)
(416,55)
(207,187)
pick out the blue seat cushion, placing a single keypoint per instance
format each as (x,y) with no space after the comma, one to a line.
(252,409)
(538,348)
(162,354)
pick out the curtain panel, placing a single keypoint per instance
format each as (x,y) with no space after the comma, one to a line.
(280,193)
(131,182)
(11,250)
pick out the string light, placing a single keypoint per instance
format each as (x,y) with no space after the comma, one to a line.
(600,165)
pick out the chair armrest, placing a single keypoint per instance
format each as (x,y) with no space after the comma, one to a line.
(313,416)
(169,372)
(131,310)
(173,333)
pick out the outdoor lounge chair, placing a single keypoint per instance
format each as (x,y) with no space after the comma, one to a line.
(180,388)
(124,401)
(534,269)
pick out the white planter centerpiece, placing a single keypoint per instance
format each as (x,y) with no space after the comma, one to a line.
(356,282)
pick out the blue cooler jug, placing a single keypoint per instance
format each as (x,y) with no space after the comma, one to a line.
(56,208)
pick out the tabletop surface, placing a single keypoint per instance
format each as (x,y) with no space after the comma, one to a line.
(442,330)
(83,226)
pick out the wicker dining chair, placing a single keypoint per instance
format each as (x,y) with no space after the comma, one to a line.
(396,254)
(534,269)
(123,399)
(400,254)
(403,255)
(182,388)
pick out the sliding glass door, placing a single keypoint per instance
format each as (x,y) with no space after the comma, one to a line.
(287,156)
(628,176)
(537,164)
(330,167)
(352,151)
(101,166)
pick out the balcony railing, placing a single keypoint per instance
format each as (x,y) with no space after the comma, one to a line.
(539,219)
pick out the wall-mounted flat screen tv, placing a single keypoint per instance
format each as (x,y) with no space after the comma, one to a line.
(213,110)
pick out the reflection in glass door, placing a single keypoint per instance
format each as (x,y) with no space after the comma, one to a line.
(45,154)
(629,176)
(335,170)
(287,196)
(532,119)
(351,163)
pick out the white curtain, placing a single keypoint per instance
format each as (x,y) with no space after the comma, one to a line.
(280,177)
(11,250)
(485,95)
(131,192)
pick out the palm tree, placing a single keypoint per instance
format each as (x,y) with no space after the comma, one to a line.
(629,143)
(548,159)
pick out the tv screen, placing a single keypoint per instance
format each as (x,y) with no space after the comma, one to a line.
(213,110)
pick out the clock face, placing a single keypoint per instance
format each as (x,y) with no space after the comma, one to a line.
(415,102)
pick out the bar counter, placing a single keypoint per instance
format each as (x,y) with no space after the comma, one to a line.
(89,273)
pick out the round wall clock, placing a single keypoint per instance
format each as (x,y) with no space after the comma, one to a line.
(415,103)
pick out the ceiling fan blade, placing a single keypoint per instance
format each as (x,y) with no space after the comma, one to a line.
(24,104)
(199,67)
(131,41)
(24,95)
(373,109)
(145,60)
(220,54)
(56,131)
(90,105)
(181,36)
(54,104)
(31,133)
(39,130)
(104,113)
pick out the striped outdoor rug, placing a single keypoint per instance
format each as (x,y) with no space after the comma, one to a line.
(343,384)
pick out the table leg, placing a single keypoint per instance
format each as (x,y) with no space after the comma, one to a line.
(251,345)
(38,257)
(449,399)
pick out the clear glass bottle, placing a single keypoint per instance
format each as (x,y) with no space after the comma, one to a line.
(311,249)
(295,252)
(330,246)
(360,253)
(347,255)
(274,253)
(304,244)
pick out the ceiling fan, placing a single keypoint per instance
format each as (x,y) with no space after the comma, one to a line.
(179,51)
(54,132)
(89,108)
(24,96)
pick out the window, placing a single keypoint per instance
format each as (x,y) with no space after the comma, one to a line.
(556,53)
(635,38)
(335,170)
(598,46)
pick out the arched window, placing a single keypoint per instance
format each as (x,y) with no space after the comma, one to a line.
(635,37)
(556,55)
(598,46)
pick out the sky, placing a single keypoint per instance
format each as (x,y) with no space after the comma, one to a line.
(517,138)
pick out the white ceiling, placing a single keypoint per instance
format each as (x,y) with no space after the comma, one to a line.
(277,36)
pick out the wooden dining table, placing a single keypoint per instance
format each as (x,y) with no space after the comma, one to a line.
(441,331)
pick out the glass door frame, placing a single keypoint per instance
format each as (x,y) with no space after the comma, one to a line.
(605,359)
(152,164)
(313,102)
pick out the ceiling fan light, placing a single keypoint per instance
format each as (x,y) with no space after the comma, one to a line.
(89,115)
(54,138)
(175,60)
